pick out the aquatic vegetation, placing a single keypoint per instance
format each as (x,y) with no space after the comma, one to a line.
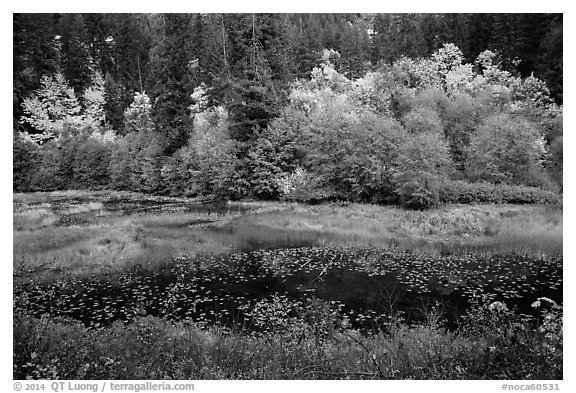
(358,282)
(320,292)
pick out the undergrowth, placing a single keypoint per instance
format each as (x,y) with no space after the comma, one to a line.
(491,342)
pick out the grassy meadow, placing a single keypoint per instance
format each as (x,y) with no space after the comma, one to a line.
(118,285)
(48,243)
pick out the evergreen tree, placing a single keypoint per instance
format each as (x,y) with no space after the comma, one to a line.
(77,64)
(34,55)
(114,105)
(174,81)
(354,46)
(253,97)
(304,47)
(100,40)
(131,46)
(478,34)
(550,56)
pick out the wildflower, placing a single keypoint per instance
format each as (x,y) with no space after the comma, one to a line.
(497,306)
(538,303)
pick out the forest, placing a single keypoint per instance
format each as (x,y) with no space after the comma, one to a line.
(410,109)
(288,196)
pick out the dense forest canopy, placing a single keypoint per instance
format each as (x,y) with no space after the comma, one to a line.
(409,108)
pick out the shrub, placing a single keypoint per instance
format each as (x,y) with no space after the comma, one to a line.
(460,116)
(210,154)
(507,149)
(303,186)
(296,340)
(120,160)
(56,162)
(136,162)
(276,152)
(422,163)
(458,191)
(422,120)
(555,160)
(146,175)
(354,154)
(176,173)
(25,161)
(513,348)
(92,161)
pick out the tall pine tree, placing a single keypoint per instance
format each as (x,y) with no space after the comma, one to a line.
(173,62)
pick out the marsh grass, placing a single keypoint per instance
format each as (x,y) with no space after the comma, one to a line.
(153,348)
(36,217)
(499,228)
(107,243)
(95,239)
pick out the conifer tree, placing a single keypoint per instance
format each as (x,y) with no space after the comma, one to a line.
(76,62)
(34,55)
(174,82)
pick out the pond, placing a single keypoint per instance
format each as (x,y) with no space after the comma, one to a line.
(364,286)
(283,271)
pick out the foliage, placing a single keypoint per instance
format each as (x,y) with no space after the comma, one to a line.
(128,47)
(422,163)
(56,162)
(458,191)
(75,59)
(35,55)
(447,59)
(94,100)
(53,106)
(138,116)
(276,153)
(423,120)
(227,120)
(302,186)
(348,149)
(24,163)
(511,345)
(92,161)
(555,159)
(174,80)
(460,116)
(505,149)
(211,152)
(135,163)
(297,341)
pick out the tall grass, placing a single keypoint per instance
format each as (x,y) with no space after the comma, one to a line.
(500,228)
(107,242)
(152,348)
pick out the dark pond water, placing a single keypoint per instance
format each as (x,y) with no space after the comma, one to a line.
(276,273)
(363,286)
